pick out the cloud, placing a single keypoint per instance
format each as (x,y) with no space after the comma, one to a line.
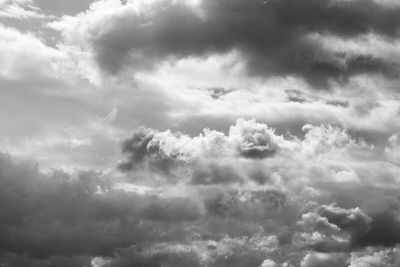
(320,259)
(268,263)
(241,161)
(58,216)
(20,9)
(387,257)
(353,220)
(39,58)
(226,252)
(273,37)
(247,139)
(384,231)
(331,228)
(255,139)
(212,206)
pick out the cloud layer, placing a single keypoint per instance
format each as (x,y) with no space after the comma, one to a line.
(205,201)
(163,133)
(273,37)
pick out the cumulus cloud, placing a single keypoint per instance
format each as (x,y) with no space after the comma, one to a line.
(247,139)
(212,206)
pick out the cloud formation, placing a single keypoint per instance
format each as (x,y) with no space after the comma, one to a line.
(211,208)
(273,37)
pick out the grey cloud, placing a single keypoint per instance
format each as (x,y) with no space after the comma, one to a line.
(233,252)
(296,96)
(326,260)
(257,206)
(384,231)
(219,194)
(257,145)
(59,215)
(136,148)
(141,151)
(272,36)
(302,97)
(260,176)
(376,257)
(256,140)
(171,210)
(62,220)
(332,229)
(378,225)
(18,260)
(167,150)
(132,258)
(214,173)
(353,220)
(218,92)
(241,195)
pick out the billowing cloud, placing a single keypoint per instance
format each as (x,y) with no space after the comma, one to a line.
(208,208)
(247,139)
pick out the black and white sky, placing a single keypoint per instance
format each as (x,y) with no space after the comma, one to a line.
(199,133)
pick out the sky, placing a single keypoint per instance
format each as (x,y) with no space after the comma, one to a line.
(201,133)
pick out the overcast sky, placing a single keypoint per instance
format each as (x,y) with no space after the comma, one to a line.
(199,133)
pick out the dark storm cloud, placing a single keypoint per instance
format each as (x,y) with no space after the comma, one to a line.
(60,218)
(271,35)
(385,231)
(63,220)
(385,226)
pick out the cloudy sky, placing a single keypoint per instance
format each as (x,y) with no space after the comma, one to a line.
(199,133)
